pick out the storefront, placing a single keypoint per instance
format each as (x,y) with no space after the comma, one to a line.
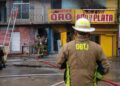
(106,28)
(59,19)
(103,20)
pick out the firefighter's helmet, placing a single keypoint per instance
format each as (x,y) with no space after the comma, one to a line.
(83,25)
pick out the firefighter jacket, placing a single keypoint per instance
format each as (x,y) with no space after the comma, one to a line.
(81,56)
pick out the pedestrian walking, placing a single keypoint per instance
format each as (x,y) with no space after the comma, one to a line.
(81,57)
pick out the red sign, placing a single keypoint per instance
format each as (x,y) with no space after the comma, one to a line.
(96,16)
(58,15)
(61,17)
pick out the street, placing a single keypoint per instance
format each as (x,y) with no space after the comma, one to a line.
(18,73)
(32,72)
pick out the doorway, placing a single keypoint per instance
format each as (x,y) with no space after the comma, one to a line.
(108,43)
(95,38)
(57,42)
(42,32)
(15,42)
(42,42)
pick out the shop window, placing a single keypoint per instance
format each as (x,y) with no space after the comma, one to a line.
(23,8)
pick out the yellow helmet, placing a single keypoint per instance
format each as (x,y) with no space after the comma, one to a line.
(83,25)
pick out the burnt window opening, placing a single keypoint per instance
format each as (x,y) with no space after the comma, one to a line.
(92,4)
(78,4)
(56,4)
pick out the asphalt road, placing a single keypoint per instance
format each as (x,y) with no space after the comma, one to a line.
(34,73)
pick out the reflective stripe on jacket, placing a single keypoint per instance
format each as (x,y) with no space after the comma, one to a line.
(67,75)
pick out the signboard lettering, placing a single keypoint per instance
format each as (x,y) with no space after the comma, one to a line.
(96,16)
(60,15)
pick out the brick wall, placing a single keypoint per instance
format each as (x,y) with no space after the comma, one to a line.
(27,35)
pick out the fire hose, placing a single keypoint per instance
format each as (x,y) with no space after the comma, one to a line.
(110,82)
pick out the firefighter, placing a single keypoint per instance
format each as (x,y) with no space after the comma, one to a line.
(39,47)
(80,56)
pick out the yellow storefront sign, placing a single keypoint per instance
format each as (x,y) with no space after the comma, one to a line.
(97,16)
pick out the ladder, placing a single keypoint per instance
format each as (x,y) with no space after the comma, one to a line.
(11,22)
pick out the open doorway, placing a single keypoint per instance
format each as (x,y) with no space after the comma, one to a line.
(42,32)
(56,41)
(41,42)
(95,38)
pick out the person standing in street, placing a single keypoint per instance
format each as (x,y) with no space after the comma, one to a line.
(80,57)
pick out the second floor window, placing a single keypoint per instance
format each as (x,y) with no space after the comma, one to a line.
(56,4)
(78,4)
(23,8)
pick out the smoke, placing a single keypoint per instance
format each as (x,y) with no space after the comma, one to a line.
(92,4)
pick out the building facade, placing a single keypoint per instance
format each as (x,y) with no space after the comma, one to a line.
(54,19)
(31,21)
(102,14)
